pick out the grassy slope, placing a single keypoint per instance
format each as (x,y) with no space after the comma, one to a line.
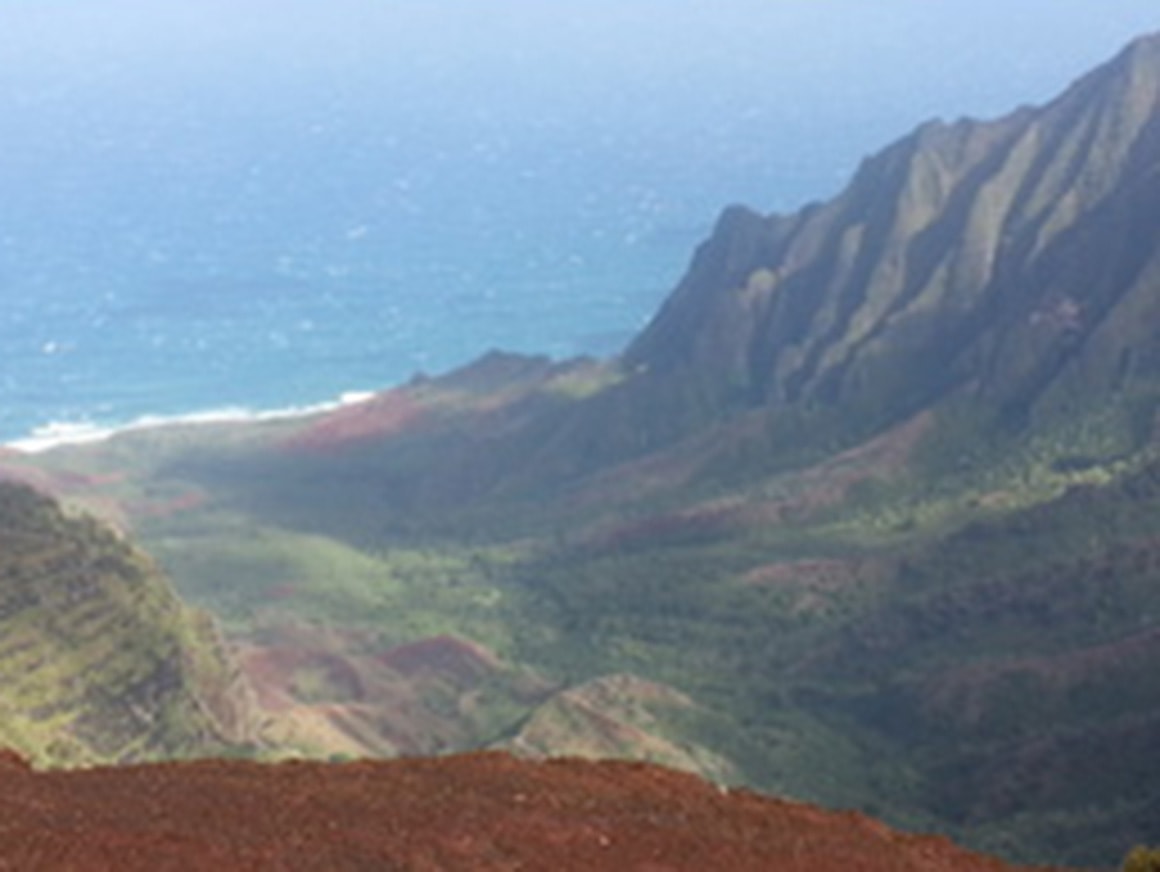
(99,660)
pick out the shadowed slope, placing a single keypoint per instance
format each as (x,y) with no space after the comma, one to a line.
(1018,258)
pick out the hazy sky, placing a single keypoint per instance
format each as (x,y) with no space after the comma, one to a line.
(159,73)
(953,55)
(886,63)
(135,93)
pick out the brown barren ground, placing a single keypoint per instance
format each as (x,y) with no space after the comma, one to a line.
(477,812)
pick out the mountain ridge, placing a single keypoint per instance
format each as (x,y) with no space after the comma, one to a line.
(100,660)
(954,218)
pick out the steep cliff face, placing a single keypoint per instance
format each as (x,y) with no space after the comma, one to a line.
(1019,259)
(99,659)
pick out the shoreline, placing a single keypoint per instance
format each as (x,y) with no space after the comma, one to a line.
(60,434)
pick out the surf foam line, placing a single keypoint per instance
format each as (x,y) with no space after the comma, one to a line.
(58,434)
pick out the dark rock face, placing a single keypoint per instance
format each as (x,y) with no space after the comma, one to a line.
(1019,257)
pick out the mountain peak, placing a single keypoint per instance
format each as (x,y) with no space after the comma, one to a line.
(1141,55)
(1127,87)
(944,266)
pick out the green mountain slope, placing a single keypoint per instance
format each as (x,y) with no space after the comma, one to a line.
(99,660)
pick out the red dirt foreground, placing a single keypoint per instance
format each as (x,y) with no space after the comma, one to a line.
(476,812)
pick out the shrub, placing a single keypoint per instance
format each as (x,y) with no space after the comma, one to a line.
(1142,859)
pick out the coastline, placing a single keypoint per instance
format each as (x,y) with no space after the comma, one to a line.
(59,434)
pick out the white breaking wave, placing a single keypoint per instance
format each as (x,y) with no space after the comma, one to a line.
(61,433)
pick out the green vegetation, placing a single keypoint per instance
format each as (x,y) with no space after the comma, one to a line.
(1142,859)
(99,660)
(256,575)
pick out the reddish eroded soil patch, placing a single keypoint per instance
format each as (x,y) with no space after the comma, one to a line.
(815,583)
(823,573)
(59,483)
(382,415)
(478,812)
(799,495)
(187,501)
(380,678)
(828,483)
(337,695)
(447,655)
(967,691)
(678,528)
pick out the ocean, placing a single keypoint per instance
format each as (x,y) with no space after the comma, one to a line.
(293,305)
(208,216)
(144,281)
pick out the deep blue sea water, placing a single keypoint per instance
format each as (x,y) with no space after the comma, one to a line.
(161,269)
(306,285)
(192,226)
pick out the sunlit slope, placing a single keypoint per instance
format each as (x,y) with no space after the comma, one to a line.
(99,660)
